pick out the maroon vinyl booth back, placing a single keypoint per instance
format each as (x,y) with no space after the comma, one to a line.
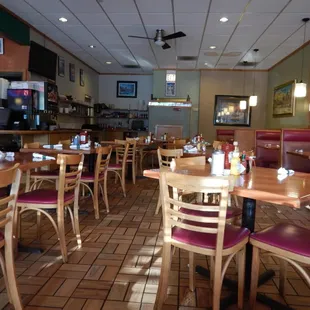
(269,158)
(296,139)
(226,135)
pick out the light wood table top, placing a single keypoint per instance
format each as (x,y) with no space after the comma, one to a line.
(303,154)
(260,184)
(26,162)
(65,150)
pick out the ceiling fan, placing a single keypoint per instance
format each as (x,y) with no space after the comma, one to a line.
(160,39)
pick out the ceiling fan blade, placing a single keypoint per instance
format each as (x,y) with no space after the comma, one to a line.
(176,35)
(166,46)
(141,37)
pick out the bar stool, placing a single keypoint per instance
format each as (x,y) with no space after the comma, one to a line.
(10,177)
(97,177)
(40,200)
(208,236)
(290,243)
(164,159)
(119,168)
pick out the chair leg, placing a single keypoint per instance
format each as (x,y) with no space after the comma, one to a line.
(11,275)
(5,276)
(38,225)
(105,192)
(236,200)
(211,271)
(241,275)
(158,205)
(254,277)
(76,223)
(164,277)
(123,181)
(283,273)
(192,271)
(217,284)
(61,233)
(133,171)
(96,202)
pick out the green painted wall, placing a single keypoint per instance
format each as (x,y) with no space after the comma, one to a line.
(188,83)
(290,69)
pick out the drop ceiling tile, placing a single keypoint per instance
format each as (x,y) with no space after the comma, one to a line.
(190,19)
(186,65)
(124,57)
(18,6)
(217,40)
(185,6)
(290,19)
(78,34)
(215,27)
(228,6)
(151,6)
(119,6)
(284,31)
(192,32)
(136,30)
(48,6)
(155,18)
(270,6)
(52,32)
(187,49)
(130,19)
(94,19)
(298,6)
(120,46)
(70,46)
(34,18)
(100,30)
(82,6)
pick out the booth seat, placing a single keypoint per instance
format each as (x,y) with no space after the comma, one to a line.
(292,140)
(268,158)
(226,135)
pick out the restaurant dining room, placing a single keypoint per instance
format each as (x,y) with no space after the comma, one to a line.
(155,155)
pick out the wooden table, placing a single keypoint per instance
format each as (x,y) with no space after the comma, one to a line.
(303,154)
(261,184)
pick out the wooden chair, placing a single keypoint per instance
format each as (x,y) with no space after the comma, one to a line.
(133,157)
(39,176)
(98,177)
(119,168)
(65,142)
(164,159)
(198,234)
(10,177)
(287,242)
(40,200)
(176,144)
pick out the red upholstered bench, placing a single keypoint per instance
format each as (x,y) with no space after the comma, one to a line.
(226,135)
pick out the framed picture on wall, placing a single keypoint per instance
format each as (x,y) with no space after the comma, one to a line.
(1,46)
(227,111)
(82,83)
(126,89)
(170,89)
(61,66)
(72,72)
(284,100)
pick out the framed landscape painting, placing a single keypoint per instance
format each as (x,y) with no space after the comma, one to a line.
(284,100)
(126,89)
(227,111)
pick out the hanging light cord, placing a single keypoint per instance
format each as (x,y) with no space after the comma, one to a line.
(254,73)
(303,50)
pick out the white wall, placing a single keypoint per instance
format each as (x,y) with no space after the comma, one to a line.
(107,90)
(65,87)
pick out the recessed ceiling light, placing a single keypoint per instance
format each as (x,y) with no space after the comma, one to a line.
(206,64)
(92,46)
(212,47)
(63,19)
(108,62)
(224,19)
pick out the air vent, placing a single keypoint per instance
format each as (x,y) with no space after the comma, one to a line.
(131,66)
(232,54)
(245,64)
(187,58)
(211,54)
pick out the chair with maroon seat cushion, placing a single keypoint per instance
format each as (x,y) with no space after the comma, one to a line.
(290,243)
(10,177)
(199,234)
(119,168)
(98,177)
(40,200)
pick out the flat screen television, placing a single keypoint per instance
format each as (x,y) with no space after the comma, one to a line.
(42,61)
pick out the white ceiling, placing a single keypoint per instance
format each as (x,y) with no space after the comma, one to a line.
(272,26)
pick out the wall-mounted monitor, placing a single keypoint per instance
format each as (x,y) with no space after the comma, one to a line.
(42,61)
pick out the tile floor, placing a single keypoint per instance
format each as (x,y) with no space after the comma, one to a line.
(118,265)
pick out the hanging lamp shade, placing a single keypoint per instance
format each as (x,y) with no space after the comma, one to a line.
(300,90)
(253,101)
(242,105)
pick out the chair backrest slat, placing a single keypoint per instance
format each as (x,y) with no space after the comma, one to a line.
(102,163)
(32,145)
(65,142)
(172,183)
(122,152)
(165,156)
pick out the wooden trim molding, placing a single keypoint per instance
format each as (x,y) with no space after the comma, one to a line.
(213,69)
(129,74)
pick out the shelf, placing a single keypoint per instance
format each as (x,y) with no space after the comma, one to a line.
(121,117)
(142,111)
(78,103)
(74,115)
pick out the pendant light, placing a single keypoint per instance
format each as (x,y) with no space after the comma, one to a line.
(301,88)
(253,98)
(242,104)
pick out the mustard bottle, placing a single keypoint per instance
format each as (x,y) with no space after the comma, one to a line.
(235,163)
